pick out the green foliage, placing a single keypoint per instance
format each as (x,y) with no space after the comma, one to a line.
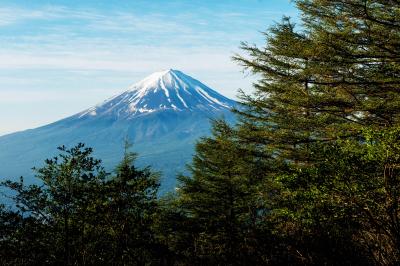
(82,215)
(130,209)
(63,207)
(350,196)
(218,215)
(221,198)
(325,112)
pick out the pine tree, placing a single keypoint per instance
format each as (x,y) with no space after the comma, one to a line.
(327,81)
(331,78)
(130,209)
(281,116)
(63,207)
(221,200)
(359,55)
(81,215)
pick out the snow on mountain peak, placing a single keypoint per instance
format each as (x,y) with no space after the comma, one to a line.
(164,90)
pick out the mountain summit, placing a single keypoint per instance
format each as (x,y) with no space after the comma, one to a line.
(163,116)
(164,90)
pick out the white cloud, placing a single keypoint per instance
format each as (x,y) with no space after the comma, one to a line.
(128,58)
(58,52)
(140,42)
(12,15)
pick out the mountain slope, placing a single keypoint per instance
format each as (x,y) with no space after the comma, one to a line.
(165,90)
(163,115)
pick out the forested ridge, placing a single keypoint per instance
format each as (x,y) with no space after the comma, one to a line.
(309,175)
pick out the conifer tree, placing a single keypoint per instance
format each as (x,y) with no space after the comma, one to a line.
(328,80)
(280,116)
(80,215)
(64,205)
(130,209)
(359,57)
(331,77)
(221,200)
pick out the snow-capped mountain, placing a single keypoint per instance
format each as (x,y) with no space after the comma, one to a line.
(164,90)
(163,115)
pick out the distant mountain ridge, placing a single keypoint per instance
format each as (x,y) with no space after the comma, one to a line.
(163,115)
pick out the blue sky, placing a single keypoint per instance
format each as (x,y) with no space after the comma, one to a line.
(60,57)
